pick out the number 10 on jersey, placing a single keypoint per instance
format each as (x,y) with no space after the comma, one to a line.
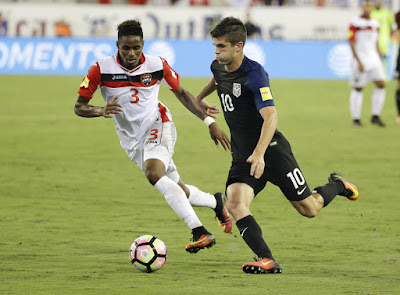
(227,102)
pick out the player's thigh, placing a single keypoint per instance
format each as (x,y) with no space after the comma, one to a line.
(358,79)
(159,143)
(283,170)
(240,173)
(377,75)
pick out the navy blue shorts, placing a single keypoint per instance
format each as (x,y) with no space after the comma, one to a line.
(281,169)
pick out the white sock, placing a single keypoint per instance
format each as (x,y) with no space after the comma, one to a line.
(378,100)
(199,198)
(176,198)
(356,100)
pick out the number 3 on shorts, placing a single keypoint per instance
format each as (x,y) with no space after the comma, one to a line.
(296,177)
(154,132)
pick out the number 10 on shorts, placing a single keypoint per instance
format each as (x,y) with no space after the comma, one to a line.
(296,177)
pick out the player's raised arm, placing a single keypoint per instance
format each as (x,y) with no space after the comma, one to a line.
(216,133)
(84,109)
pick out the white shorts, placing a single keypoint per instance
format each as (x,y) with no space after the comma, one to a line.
(158,143)
(371,74)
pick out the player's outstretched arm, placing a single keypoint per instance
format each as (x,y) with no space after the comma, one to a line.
(84,109)
(188,100)
(216,133)
(211,109)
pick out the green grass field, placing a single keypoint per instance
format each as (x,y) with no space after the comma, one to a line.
(72,202)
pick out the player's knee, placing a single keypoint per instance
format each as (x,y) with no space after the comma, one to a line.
(153,176)
(380,85)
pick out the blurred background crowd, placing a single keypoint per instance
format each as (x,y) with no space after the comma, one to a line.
(234,3)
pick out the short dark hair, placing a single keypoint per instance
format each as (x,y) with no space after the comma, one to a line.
(232,28)
(130,28)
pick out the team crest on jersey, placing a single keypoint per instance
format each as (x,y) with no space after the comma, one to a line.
(146,79)
(237,89)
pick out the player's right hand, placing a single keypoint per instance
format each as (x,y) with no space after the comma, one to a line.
(112,108)
(257,165)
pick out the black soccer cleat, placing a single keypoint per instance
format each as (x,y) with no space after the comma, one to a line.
(376,120)
(357,123)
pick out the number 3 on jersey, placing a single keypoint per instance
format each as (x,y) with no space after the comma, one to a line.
(227,102)
(134,96)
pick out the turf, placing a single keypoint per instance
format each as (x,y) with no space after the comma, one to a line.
(72,202)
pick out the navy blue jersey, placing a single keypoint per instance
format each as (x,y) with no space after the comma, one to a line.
(242,94)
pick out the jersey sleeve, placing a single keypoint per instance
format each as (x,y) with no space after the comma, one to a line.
(259,86)
(91,82)
(170,77)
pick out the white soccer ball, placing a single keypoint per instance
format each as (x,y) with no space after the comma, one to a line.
(148,253)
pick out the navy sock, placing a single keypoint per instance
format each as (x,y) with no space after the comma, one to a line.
(330,190)
(252,235)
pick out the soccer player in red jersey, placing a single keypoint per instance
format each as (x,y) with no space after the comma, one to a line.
(129,82)
(367,65)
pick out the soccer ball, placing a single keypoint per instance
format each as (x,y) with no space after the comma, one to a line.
(148,253)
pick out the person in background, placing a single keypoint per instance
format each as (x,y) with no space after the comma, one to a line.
(386,19)
(62,28)
(199,2)
(3,26)
(138,2)
(397,18)
(253,31)
(367,65)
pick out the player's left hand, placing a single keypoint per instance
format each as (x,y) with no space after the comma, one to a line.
(219,136)
(209,109)
(257,165)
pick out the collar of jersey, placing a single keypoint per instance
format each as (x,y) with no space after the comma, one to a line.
(142,59)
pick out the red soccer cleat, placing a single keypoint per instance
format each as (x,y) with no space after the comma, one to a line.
(224,220)
(204,241)
(264,265)
(350,191)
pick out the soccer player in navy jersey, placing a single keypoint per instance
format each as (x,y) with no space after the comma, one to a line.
(260,152)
